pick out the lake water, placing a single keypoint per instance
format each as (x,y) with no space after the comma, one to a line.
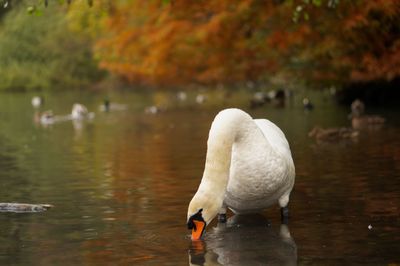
(120,185)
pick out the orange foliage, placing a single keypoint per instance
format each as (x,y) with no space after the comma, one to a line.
(359,43)
(180,42)
(376,41)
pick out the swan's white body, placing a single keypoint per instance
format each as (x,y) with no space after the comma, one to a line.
(80,112)
(249,166)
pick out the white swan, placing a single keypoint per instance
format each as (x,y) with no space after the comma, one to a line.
(79,112)
(248,167)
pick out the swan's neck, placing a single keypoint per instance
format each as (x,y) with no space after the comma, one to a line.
(225,130)
(218,161)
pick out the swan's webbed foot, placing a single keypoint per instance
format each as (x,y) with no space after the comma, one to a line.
(222,217)
(285,215)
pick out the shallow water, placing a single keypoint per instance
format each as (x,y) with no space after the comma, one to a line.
(121,184)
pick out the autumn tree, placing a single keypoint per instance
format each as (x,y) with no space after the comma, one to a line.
(176,42)
(357,41)
(181,42)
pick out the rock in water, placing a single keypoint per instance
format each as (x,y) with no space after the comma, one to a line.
(24,207)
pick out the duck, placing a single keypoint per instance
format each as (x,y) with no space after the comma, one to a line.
(79,112)
(307,105)
(153,109)
(181,96)
(357,107)
(332,134)
(47,117)
(275,97)
(278,97)
(248,168)
(258,99)
(201,98)
(107,106)
(359,120)
(37,101)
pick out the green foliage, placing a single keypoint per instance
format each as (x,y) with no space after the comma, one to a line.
(39,52)
(5,6)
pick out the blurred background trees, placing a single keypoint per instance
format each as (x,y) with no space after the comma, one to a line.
(176,43)
(39,51)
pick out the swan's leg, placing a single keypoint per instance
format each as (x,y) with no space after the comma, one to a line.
(222,214)
(283,202)
(285,215)
(222,217)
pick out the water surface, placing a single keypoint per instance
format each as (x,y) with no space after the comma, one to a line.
(121,184)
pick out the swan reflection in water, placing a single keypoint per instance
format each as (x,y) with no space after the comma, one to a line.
(245,240)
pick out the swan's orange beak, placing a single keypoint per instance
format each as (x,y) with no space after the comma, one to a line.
(197,224)
(198,229)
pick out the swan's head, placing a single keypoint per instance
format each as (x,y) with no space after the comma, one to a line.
(197,224)
(202,210)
